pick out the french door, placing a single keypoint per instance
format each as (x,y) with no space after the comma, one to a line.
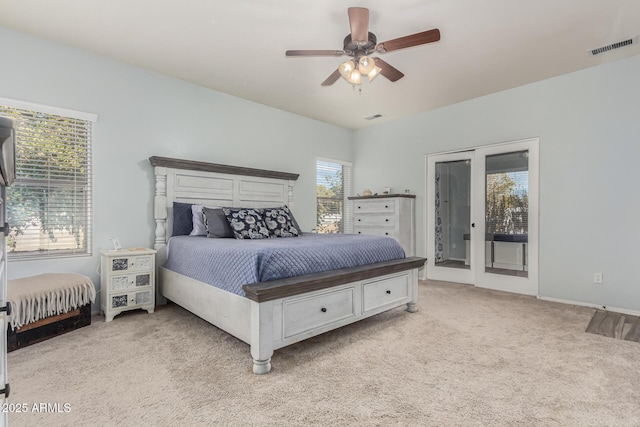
(450,204)
(482,217)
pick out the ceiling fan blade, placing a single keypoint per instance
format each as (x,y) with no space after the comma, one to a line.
(388,71)
(332,78)
(359,23)
(314,53)
(429,36)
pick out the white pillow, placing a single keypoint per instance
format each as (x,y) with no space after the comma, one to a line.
(199,229)
(198,221)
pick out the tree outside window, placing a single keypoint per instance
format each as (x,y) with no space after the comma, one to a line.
(48,206)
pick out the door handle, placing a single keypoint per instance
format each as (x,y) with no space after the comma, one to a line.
(6,391)
(473,225)
(6,308)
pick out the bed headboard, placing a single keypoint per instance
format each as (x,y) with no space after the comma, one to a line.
(212,184)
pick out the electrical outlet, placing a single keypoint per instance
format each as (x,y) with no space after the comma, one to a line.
(597,278)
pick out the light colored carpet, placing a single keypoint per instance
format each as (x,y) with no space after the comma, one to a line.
(469,357)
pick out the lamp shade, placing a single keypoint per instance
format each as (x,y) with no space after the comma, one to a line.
(374,73)
(346,68)
(355,77)
(366,64)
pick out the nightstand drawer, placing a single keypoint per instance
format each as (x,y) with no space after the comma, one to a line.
(129,281)
(309,313)
(131,299)
(380,293)
(374,206)
(121,264)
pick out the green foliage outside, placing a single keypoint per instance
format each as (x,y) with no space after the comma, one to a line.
(49,196)
(330,201)
(507,206)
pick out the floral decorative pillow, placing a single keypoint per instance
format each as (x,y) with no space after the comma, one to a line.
(280,222)
(246,223)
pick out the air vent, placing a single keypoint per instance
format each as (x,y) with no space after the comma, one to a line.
(603,49)
(375,116)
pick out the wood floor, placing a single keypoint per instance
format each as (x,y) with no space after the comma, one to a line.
(615,325)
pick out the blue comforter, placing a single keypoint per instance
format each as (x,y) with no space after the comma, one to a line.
(231,263)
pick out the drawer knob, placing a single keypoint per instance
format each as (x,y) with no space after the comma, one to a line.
(389,292)
(386,206)
(387,219)
(386,234)
(359,219)
(323,309)
(359,207)
(359,232)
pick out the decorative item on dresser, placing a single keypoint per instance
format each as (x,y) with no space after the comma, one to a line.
(386,215)
(127,281)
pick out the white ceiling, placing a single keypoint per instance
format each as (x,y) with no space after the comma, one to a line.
(238,46)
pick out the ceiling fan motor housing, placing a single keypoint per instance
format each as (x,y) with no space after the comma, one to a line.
(357,48)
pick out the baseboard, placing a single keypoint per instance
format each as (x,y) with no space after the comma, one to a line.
(599,307)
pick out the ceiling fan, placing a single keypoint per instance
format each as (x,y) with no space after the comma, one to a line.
(360,44)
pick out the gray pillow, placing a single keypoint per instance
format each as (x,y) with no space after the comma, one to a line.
(216,223)
(182,219)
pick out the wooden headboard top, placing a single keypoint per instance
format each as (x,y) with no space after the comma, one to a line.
(218,168)
(212,184)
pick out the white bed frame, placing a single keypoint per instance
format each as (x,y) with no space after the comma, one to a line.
(281,312)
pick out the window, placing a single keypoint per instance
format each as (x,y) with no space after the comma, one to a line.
(49,204)
(507,203)
(333,186)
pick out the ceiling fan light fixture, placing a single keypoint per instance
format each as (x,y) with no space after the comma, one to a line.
(374,73)
(355,78)
(346,69)
(366,64)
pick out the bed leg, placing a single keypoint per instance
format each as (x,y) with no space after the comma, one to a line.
(261,367)
(412,306)
(261,336)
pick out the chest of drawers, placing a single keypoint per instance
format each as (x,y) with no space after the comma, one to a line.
(388,215)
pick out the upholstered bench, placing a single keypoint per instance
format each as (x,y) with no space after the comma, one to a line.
(47,305)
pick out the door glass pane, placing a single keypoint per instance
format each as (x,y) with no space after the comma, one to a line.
(507,213)
(453,214)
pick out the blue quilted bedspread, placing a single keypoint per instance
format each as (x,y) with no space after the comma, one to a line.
(231,263)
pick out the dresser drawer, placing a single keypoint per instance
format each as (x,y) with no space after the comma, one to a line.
(374,206)
(309,313)
(379,293)
(377,220)
(129,281)
(376,231)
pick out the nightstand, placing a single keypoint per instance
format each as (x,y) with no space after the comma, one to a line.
(127,281)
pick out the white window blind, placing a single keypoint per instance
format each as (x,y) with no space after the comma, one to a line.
(333,186)
(507,204)
(49,204)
